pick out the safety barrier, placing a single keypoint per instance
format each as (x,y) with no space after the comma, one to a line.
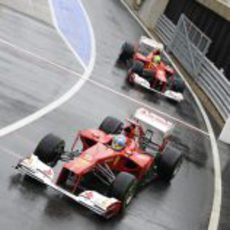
(209,77)
(216,86)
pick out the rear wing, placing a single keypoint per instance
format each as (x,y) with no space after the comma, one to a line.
(154,120)
(152,43)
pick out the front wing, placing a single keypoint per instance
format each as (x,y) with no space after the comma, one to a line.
(178,97)
(96,202)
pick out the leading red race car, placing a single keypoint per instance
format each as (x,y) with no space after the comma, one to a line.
(112,163)
(145,68)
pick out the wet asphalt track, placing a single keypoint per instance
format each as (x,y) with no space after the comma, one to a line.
(28,81)
(183,205)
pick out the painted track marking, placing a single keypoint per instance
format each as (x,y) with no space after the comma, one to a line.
(11,153)
(38,57)
(216,207)
(69,94)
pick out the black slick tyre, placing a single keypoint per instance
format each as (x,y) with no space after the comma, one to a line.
(124,188)
(127,52)
(148,75)
(50,149)
(169,163)
(178,85)
(137,67)
(111,125)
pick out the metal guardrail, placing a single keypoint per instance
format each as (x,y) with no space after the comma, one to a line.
(209,77)
(216,86)
(165,29)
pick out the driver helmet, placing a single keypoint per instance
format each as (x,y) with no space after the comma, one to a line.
(119,142)
(157,59)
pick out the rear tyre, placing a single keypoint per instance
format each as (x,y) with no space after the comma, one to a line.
(124,188)
(137,67)
(127,52)
(50,149)
(169,163)
(111,125)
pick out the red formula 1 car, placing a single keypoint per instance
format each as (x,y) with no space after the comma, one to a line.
(144,71)
(105,173)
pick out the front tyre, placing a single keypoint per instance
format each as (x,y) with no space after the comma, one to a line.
(50,149)
(124,188)
(137,67)
(148,75)
(130,79)
(127,52)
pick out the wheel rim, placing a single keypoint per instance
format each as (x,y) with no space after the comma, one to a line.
(58,151)
(130,194)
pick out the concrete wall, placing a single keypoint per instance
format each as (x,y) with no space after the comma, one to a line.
(217,6)
(150,11)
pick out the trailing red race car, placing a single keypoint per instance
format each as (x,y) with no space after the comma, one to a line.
(145,68)
(112,163)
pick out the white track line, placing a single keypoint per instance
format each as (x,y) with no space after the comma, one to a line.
(216,207)
(68,95)
(11,153)
(106,88)
(40,58)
